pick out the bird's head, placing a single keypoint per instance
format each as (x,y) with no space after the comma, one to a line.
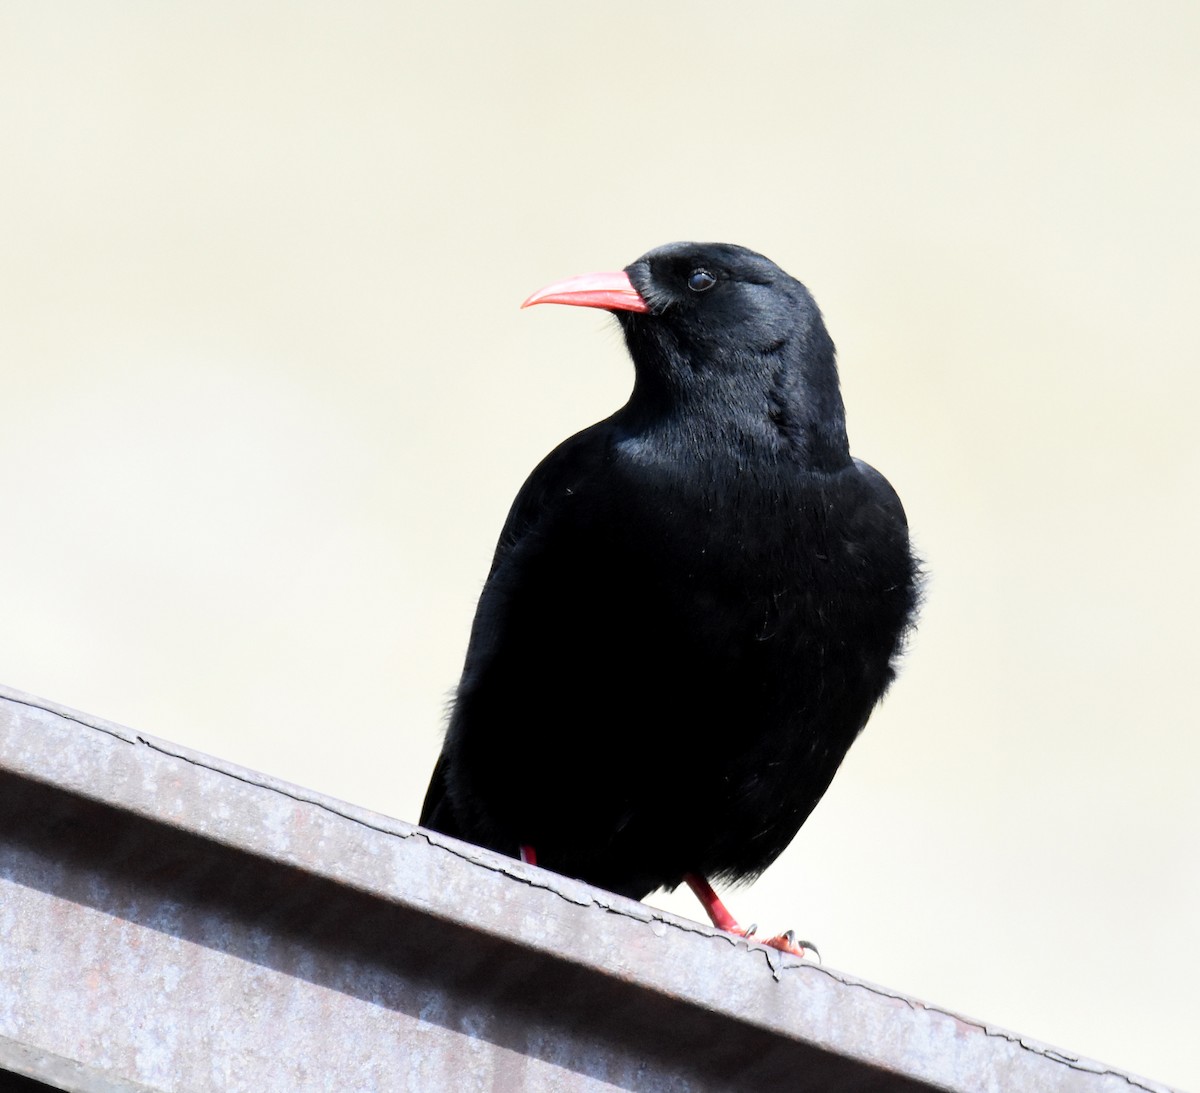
(719,330)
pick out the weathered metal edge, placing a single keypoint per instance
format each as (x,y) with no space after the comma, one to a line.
(724,974)
(55,1072)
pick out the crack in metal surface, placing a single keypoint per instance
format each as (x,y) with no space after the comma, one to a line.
(775,961)
(134,739)
(1074,1062)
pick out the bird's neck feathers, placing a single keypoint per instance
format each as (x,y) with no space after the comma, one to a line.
(781,402)
(806,402)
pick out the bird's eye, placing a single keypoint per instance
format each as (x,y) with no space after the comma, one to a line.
(701,280)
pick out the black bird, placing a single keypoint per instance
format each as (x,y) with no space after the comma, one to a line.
(694,604)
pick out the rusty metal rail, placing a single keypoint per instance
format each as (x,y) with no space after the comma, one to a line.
(169,921)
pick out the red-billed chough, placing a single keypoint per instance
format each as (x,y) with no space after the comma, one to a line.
(694,604)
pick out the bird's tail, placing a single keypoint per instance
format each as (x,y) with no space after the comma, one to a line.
(437,812)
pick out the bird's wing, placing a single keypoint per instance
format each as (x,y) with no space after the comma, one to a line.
(436,811)
(881,492)
(537,504)
(553,481)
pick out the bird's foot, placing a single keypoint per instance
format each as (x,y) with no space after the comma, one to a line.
(723,920)
(785,942)
(788,943)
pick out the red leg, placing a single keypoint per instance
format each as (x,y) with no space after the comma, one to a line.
(713,907)
(723,920)
(528,855)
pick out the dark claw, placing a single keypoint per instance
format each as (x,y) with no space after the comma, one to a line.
(751,931)
(809,947)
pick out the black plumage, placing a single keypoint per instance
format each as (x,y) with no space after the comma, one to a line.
(694,604)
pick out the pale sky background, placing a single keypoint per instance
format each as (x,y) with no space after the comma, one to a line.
(267,396)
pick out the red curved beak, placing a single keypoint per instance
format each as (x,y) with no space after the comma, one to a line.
(612,291)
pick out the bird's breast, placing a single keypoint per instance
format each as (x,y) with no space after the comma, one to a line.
(738,553)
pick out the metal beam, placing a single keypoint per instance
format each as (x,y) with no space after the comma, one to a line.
(170,921)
